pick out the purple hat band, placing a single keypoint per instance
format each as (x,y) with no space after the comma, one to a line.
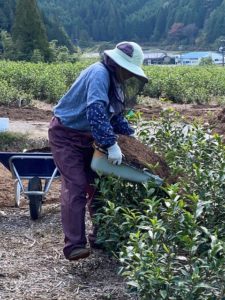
(126,48)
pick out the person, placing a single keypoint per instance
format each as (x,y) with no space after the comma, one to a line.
(92,110)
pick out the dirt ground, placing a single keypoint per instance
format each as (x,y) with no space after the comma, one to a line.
(32,265)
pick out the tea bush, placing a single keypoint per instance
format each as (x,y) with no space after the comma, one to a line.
(10,95)
(119,217)
(170,240)
(184,84)
(41,81)
(48,82)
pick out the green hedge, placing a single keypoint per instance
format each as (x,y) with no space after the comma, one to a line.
(182,84)
(48,82)
(41,81)
(170,241)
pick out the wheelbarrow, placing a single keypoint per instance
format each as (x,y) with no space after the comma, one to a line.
(32,167)
(101,165)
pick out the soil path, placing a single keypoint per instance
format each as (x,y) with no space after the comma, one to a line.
(30,128)
(34,120)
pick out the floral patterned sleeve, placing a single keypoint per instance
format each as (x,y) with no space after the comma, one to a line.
(101,128)
(121,126)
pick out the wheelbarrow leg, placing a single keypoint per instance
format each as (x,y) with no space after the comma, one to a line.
(35,201)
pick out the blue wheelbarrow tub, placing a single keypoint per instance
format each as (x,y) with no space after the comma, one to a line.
(101,165)
(29,164)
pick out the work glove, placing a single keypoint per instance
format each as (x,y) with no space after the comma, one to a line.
(115,154)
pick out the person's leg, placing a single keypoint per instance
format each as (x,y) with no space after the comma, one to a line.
(69,152)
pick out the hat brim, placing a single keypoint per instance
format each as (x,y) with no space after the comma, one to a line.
(119,60)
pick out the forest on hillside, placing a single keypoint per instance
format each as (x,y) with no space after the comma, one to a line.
(55,31)
(197,23)
(164,22)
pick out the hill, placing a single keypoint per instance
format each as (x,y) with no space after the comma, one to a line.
(195,23)
(184,22)
(54,30)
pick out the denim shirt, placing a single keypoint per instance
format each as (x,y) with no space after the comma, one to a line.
(85,107)
(92,85)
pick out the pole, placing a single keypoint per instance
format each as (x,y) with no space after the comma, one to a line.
(222,50)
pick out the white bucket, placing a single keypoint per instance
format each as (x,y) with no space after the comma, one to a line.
(4,124)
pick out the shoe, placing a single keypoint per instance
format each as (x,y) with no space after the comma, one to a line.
(78,253)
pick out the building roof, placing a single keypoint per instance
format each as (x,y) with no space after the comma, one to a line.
(199,54)
(154,55)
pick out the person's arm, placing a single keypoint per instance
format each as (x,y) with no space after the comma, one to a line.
(97,116)
(121,126)
(102,131)
(101,128)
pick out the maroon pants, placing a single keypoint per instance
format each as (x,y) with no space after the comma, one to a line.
(72,152)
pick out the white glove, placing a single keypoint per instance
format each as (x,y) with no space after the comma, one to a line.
(115,154)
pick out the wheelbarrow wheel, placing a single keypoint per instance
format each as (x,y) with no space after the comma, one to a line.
(35,201)
(17,190)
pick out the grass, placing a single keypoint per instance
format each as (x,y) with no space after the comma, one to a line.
(17,142)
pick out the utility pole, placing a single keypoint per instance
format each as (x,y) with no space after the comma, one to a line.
(222,50)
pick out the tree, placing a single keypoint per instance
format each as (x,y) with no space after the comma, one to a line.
(176,31)
(55,31)
(190,32)
(206,61)
(7,10)
(7,45)
(28,32)
(36,57)
(160,24)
